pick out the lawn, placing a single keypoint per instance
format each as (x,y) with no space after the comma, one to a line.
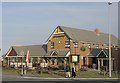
(59,73)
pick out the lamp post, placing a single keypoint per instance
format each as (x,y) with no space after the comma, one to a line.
(22,53)
(109,3)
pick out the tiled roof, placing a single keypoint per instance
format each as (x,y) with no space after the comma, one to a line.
(62,52)
(38,50)
(35,50)
(88,36)
(96,52)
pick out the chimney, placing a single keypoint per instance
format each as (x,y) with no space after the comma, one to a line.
(97,31)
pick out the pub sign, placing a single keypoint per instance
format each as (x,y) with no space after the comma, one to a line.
(74,58)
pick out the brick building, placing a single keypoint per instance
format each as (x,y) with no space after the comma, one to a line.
(91,48)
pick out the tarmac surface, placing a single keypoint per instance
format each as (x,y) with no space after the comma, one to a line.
(10,77)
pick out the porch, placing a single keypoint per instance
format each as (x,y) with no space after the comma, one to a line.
(104,62)
(100,59)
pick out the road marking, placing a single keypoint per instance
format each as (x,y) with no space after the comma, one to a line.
(74,78)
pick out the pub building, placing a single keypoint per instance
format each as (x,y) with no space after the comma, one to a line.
(76,47)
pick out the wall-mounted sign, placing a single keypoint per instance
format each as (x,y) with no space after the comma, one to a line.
(74,58)
(82,48)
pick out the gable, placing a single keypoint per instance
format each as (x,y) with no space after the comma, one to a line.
(35,50)
(12,53)
(53,53)
(58,32)
(102,55)
(98,53)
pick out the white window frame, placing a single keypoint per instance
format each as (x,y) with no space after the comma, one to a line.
(75,44)
(106,47)
(67,44)
(88,45)
(52,46)
(97,46)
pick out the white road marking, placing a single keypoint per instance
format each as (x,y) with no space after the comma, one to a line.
(74,78)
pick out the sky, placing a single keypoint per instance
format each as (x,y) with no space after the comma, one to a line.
(0,28)
(31,23)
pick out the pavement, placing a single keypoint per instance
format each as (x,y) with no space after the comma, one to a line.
(64,78)
(17,77)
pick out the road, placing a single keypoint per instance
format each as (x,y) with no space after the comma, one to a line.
(16,77)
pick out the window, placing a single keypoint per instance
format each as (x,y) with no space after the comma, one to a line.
(67,44)
(12,59)
(35,60)
(41,60)
(106,47)
(116,47)
(53,62)
(52,44)
(30,60)
(97,46)
(84,60)
(6,60)
(75,44)
(67,62)
(88,45)
(16,59)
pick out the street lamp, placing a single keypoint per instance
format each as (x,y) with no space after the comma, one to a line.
(22,53)
(109,3)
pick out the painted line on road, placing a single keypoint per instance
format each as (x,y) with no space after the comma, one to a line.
(74,78)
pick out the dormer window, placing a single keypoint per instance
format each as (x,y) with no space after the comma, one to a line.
(75,44)
(88,45)
(67,44)
(97,45)
(52,44)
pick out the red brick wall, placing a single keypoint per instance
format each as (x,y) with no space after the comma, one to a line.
(75,50)
(59,42)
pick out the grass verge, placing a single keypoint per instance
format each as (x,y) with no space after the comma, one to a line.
(59,73)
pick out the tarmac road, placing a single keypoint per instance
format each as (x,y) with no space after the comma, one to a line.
(10,77)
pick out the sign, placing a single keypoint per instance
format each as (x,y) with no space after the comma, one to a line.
(82,48)
(74,58)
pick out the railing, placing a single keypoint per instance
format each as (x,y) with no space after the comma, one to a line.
(15,64)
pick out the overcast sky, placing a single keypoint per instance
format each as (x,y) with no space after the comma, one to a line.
(32,23)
